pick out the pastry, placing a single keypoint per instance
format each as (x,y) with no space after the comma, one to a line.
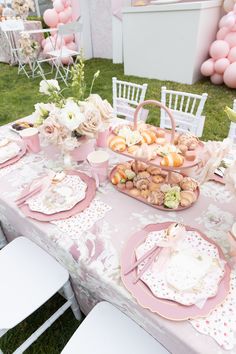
(153,187)
(117,143)
(174,178)
(143,174)
(148,136)
(190,155)
(161,141)
(121,127)
(22,125)
(160,133)
(183,148)
(134,192)
(187,198)
(153,170)
(189,140)
(121,186)
(132,149)
(156,198)
(118,177)
(157,179)
(145,193)
(130,174)
(129,185)
(145,152)
(172,160)
(141,184)
(124,166)
(141,166)
(188,184)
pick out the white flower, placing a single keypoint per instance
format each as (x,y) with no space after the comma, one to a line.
(48,86)
(42,111)
(71,116)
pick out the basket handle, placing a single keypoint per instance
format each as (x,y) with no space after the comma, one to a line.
(160,105)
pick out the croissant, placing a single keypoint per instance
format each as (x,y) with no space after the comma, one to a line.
(132,149)
(118,176)
(156,198)
(174,178)
(172,160)
(141,166)
(187,198)
(117,143)
(149,136)
(188,184)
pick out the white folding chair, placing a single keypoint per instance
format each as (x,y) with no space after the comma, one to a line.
(12,29)
(3,240)
(232,128)
(106,330)
(126,97)
(187,110)
(63,71)
(29,277)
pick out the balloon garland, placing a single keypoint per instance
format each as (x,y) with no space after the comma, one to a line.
(221,67)
(60,14)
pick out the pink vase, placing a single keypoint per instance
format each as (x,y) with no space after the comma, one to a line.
(80,153)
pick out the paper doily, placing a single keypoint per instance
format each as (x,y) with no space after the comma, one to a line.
(83,221)
(192,245)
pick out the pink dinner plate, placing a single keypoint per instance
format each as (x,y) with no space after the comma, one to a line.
(79,207)
(218,179)
(141,199)
(167,308)
(17,157)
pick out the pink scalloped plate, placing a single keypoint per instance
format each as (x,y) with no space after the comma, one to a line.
(218,179)
(141,199)
(17,157)
(167,308)
(90,194)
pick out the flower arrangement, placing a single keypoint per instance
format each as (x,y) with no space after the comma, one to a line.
(22,7)
(63,121)
(28,46)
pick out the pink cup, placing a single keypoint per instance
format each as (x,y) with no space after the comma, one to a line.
(31,137)
(98,161)
(102,138)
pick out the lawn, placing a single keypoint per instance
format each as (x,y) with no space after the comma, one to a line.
(18,96)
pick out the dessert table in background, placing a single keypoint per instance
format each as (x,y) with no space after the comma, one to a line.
(92,256)
(5,55)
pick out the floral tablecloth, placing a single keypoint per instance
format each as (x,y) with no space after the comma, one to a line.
(5,55)
(92,255)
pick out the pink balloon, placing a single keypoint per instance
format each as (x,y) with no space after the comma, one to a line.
(232,55)
(71,46)
(225,21)
(231,39)
(234,9)
(43,43)
(68,38)
(221,65)
(58,6)
(233,29)
(68,11)
(207,68)
(60,42)
(48,48)
(50,17)
(217,79)
(63,16)
(222,33)
(230,76)
(219,49)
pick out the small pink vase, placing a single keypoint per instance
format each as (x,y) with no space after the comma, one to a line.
(80,153)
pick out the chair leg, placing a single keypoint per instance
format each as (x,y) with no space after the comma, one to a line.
(69,294)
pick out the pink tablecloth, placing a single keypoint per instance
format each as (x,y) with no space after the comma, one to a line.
(5,55)
(92,257)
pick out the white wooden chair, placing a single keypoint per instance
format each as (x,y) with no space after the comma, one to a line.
(57,55)
(232,128)
(3,240)
(106,330)
(29,277)
(126,97)
(187,109)
(11,29)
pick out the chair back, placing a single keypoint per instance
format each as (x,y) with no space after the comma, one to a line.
(187,109)
(126,97)
(232,128)
(11,28)
(70,28)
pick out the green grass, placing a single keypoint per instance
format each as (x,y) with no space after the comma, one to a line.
(19,94)
(17,98)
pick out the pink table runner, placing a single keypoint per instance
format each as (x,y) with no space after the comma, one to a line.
(92,257)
